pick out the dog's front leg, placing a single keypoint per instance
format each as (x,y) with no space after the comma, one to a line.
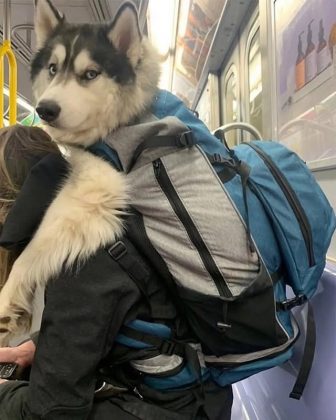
(15,304)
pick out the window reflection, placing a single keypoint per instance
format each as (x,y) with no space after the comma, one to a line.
(255,82)
(196,28)
(306,79)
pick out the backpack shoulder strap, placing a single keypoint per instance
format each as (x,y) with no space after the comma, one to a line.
(131,265)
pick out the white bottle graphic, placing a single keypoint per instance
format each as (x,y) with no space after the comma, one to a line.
(310,59)
(323,58)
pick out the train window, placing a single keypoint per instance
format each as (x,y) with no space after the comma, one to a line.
(305,48)
(197,25)
(255,82)
(231,105)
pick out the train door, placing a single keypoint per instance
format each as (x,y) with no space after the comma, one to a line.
(251,74)
(241,82)
(208,104)
(230,94)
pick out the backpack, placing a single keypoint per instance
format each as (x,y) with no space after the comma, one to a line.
(232,228)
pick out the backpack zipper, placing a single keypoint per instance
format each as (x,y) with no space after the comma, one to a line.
(181,212)
(292,200)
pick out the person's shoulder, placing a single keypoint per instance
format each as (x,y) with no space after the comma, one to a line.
(100,268)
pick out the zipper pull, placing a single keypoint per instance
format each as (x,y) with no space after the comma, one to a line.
(137,393)
(157,167)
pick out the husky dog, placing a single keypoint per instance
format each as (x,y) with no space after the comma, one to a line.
(91,79)
(88,80)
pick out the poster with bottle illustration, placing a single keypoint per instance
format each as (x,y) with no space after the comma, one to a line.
(306,43)
(305,33)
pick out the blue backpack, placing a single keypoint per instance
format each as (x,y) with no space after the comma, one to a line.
(233,228)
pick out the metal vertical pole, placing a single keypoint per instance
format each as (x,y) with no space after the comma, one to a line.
(6,50)
(7,19)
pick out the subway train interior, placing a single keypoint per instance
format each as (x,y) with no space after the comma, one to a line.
(259,70)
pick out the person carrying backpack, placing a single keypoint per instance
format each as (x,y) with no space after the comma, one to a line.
(112,343)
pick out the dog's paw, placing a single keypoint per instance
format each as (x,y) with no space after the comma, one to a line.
(13,321)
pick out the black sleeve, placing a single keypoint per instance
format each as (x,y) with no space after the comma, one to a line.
(13,400)
(82,316)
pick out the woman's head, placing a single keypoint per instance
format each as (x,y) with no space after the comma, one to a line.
(20,149)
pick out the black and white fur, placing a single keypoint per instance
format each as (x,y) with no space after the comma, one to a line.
(90,79)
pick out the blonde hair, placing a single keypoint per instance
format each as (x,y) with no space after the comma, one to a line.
(20,148)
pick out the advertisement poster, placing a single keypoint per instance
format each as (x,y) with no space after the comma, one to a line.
(306,55)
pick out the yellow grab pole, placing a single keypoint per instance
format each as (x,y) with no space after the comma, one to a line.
(2,76)
(6,51)
(12,85)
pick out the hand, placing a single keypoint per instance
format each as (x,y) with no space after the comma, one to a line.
(22,355)
(3,381)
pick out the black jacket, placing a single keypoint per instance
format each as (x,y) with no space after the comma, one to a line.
(85,308)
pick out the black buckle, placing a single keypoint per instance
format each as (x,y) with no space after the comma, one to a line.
(217,158)
(168,347)
(117,250)
(186,139)
(289,304)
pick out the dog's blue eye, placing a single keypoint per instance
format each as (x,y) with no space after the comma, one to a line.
(52,69)
(90,74)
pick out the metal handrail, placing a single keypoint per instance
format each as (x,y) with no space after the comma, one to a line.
(240,126)
(6,51)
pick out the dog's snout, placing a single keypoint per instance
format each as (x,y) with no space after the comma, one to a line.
(48,110)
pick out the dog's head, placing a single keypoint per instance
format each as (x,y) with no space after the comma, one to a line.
(90,79)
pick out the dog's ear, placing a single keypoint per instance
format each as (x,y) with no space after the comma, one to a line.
(124,32)
(47,17)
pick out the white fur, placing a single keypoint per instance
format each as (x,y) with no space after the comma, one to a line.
(84,217)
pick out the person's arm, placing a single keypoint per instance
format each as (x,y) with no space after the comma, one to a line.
(22,355)
(83,313)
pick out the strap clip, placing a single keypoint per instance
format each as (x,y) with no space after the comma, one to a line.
(289,304)
(186,139)
(118,250)
(169,348)
(217,158)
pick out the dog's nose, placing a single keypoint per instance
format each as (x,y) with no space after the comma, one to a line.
(48,110)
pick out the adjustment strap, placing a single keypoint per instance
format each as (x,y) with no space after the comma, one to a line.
(167,347)
(308,356)
(221,136)
(182,140)
(228,172)
(137,271)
